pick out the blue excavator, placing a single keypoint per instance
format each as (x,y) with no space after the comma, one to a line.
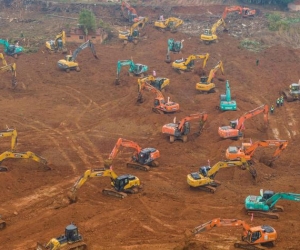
(264,205)
(136,69)
(10,49)
(173,46)
(226,104)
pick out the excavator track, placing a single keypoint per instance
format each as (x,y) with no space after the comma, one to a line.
(257,213)
(245,245)
(288,96)
(77,246)
(138,166)
(278,209)
(112,192)
(3,169)
(157,111)
(154,164)
(2,224)
(205,188)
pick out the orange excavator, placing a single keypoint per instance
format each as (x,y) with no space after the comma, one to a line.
(233,131)
(253,238)
(131,14)
(160,105)
(245,12)
(142,159)
(247,150)
(179,131)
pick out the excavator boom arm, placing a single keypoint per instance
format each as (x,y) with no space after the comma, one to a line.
(201,116)
(214,71)
(218,222)
(87,44)
(232,9)
(14,135)
(223,164)
(284,196)
(216,25)
(262,109)
(281,145)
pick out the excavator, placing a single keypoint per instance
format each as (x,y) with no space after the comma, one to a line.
(171,23)
(11,50)
(122,184)
(71,240)
(173,46)
(160,105)
(69,63)
(157,82)
(265,204)
(210,35)
(9,67)
(131,14)
(180,130)
(133,34)
(206,84)
(245,12)
(226,103)
(233,131)
(258,237)
(142,159)
(2,224)
(17,155)
(293,93)
(247,150)
(187,64)
(58,44)
(204,179)
(136,69)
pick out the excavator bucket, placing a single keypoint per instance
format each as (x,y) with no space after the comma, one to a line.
(107,163)
(40,246)
(72,197)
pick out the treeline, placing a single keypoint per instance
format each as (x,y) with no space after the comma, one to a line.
(265,2)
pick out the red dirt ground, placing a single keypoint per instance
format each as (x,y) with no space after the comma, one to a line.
(74,120)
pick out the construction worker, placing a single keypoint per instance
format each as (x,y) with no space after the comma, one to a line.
(281,100)
(272,109)
(278,102)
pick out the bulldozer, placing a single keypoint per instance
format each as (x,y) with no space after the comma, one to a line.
(247,150)
(210,35)
(188,64)
(121,185)
(160,83)
(171,24)
(264,205)
(293,93)
(133,34)
(206,84)
(10,49)
(234,130)
(173,46)
(9,67)
(136,69)
(258,237)
(18,155)
(71,240)
(58,44)
(69,63)
(179,131)
(142,159)
(161,106)
(204,178)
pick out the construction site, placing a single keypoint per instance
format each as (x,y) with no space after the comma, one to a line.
(178,124)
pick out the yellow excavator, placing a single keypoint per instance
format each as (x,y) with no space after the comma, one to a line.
(133,34)
(171,23)
(18,155)
(69,63)
(210,35)
(71,240)
(206,84)
(157,82)
(188,64)
(9,67)
(122,184)
(204,179)
(58,44)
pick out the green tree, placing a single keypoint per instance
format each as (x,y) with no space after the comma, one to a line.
(87,20)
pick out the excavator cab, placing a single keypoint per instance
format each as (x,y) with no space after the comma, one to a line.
(207,32)
(69,58)
(266,194)
(71,233)
(233,124)
(203,79)
(121,181)
(144,156)
(204,170)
